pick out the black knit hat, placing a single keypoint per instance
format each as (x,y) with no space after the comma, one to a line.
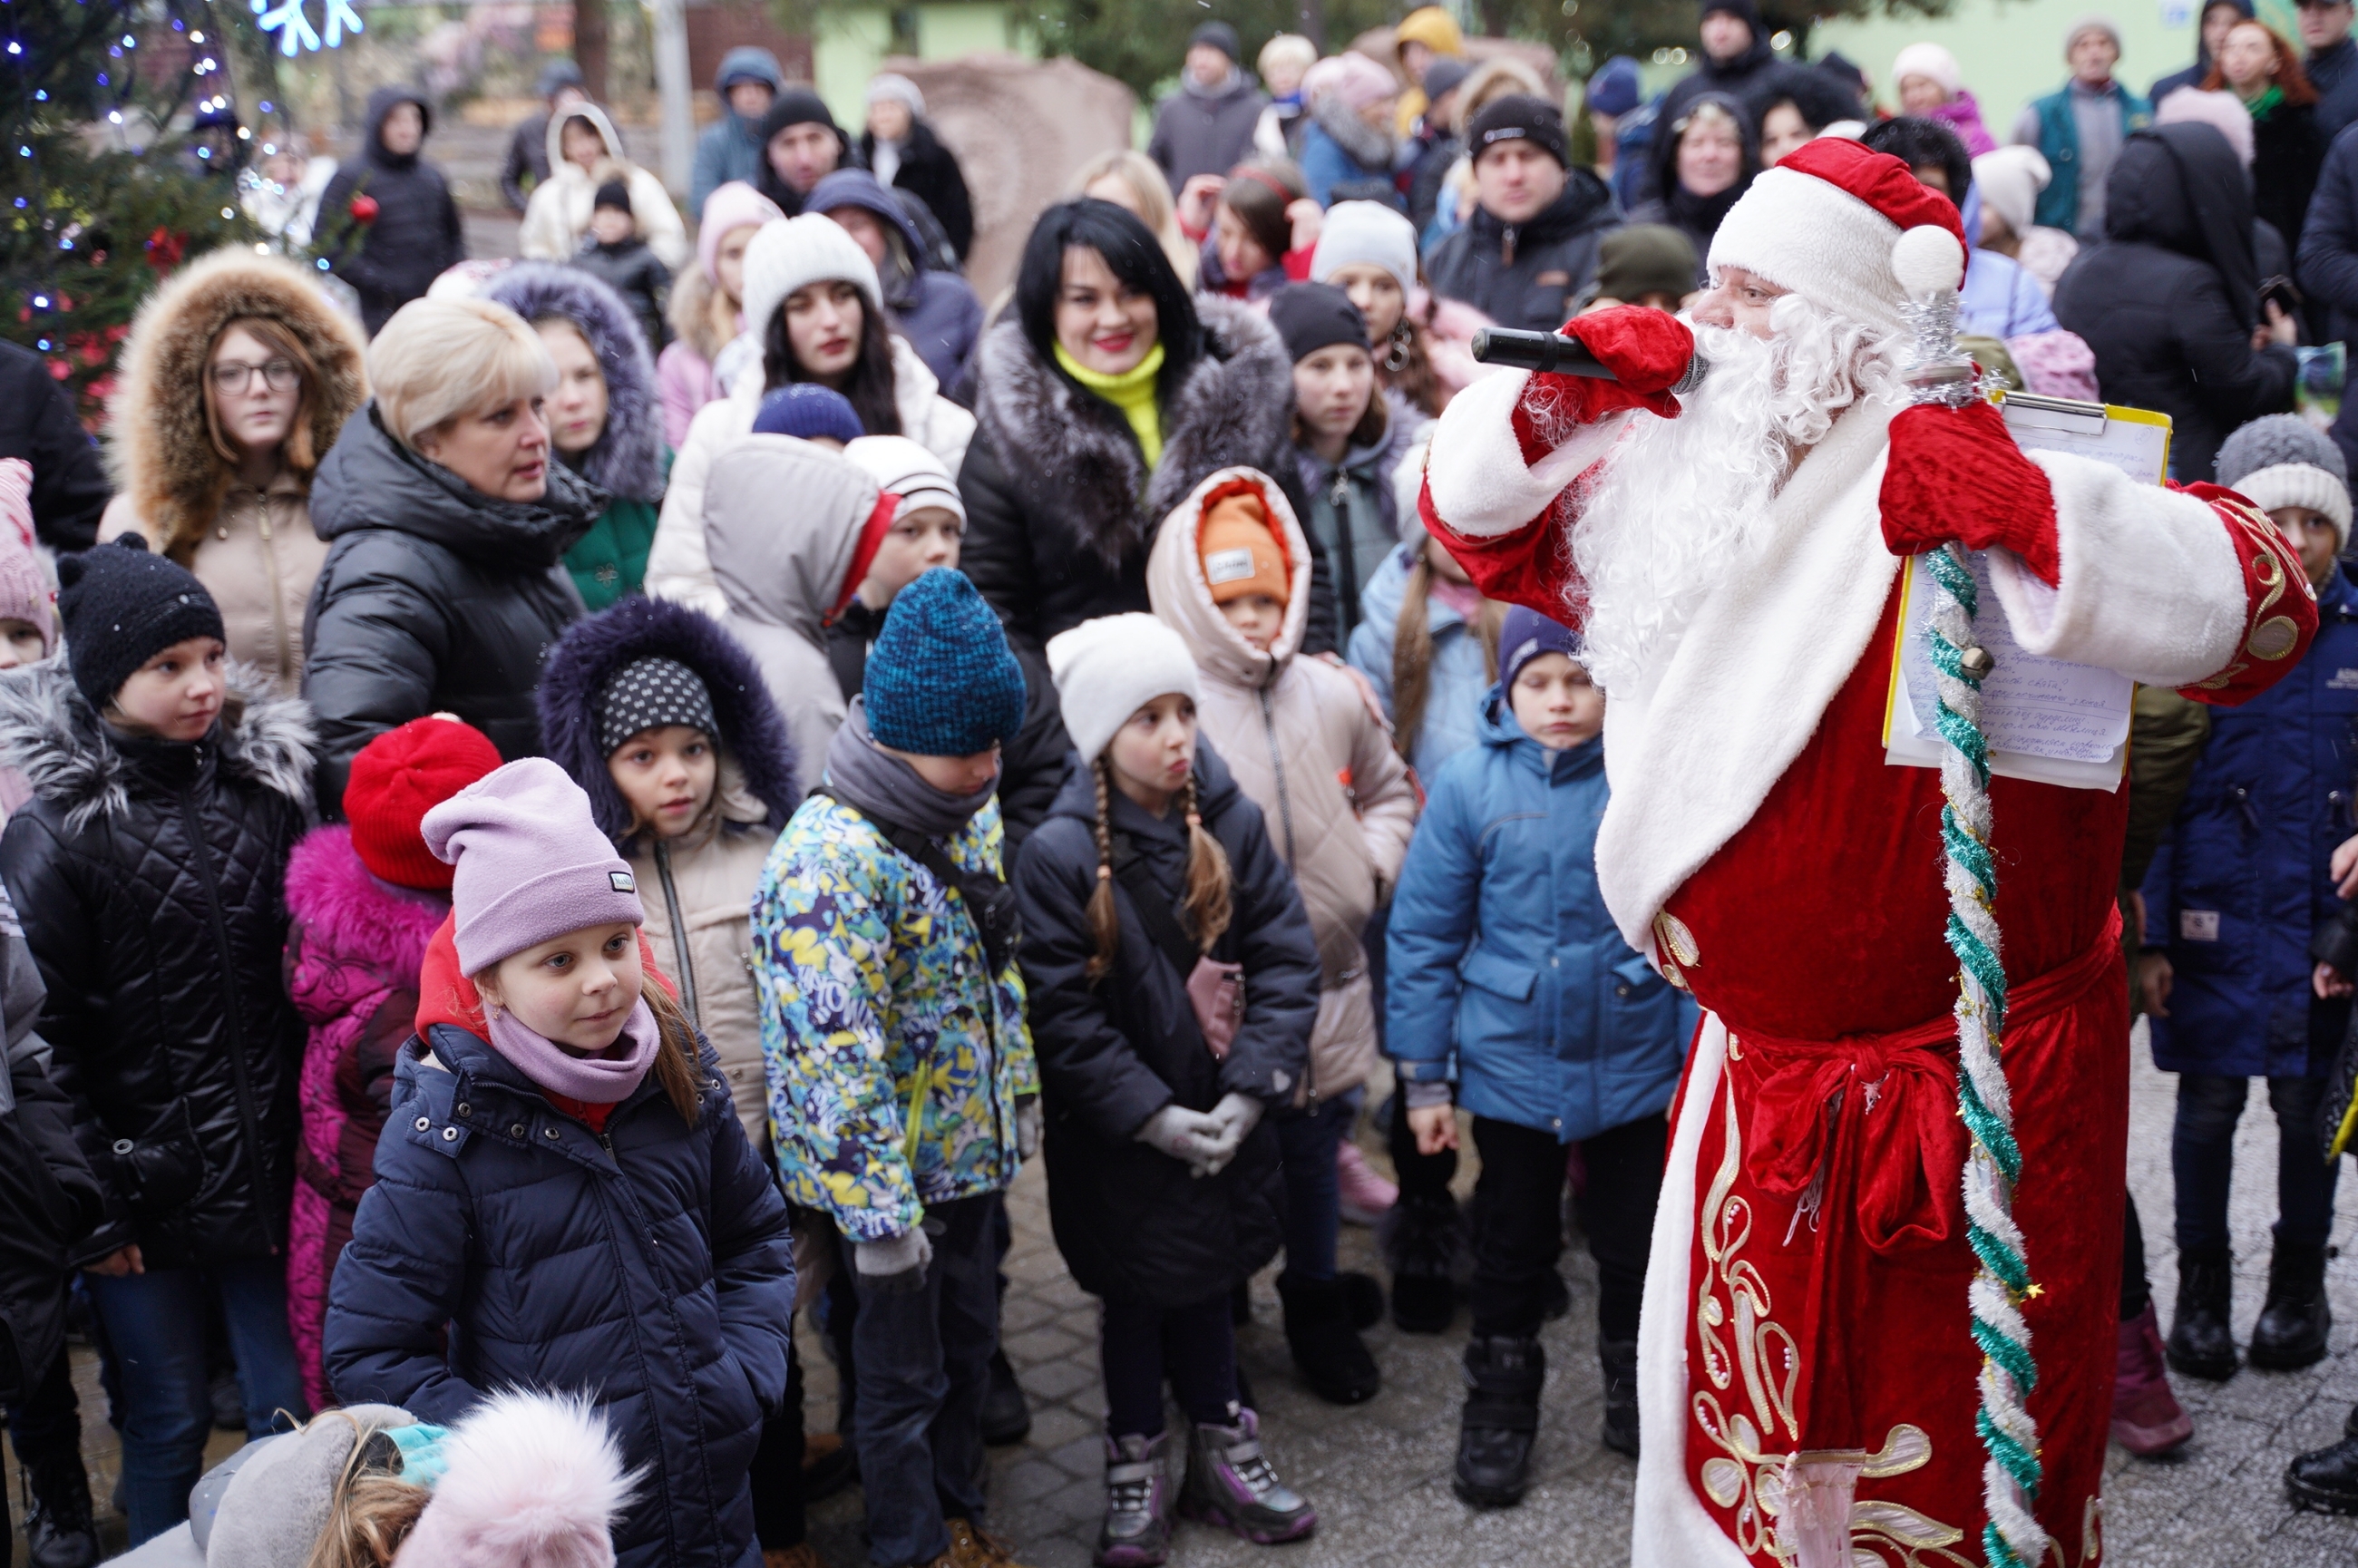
(648,694)
(1517,117)
(1221,37)
(123,606)
(613,193)
(1315,316)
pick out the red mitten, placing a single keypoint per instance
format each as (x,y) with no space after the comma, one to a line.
(1955,473)
(1648,348)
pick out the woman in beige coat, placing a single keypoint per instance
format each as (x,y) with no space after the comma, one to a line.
(1230,572)
(237,377)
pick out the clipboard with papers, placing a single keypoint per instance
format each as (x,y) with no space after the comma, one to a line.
(2049,720)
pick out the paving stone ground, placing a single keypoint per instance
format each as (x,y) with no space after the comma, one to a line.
(1379,1472)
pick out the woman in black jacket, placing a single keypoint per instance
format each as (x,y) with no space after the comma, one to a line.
(2263,72)
(2171,302)
(148,870)
(905,154)
(1702,163)
(1102,400)
(387,224)
(446,526)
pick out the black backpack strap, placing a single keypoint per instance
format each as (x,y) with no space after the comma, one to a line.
(1154,909)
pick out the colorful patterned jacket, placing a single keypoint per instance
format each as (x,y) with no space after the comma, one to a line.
(870,974)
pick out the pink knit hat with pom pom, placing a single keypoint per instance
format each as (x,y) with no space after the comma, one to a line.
(535,1481)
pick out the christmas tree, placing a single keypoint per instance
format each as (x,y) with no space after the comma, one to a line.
(102,201)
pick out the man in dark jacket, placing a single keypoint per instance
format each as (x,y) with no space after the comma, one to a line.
(1529,248)
(1206,127)
(908,156)
(37,424)
(527,161)
(50,1206)
(2333,62)
(937,311)
(748,82)
(2329,264)
(387,224)
(1739,60)
(800,145)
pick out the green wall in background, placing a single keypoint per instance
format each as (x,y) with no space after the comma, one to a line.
(853,41)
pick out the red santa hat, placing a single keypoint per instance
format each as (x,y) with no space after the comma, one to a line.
(1822,224)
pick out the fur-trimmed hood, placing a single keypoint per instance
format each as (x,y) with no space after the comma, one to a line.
(51,733)
(158,449)
(1072,456)
(752,734)
(628,457)
(354,920)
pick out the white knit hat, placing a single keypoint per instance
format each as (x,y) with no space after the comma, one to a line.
(2010,179)
(1108,668)
(891,84)
(787,253)
(909,469)
(1370,231)
(1931,62)
(1823,224)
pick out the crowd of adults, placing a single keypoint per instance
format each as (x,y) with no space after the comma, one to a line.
(781,407)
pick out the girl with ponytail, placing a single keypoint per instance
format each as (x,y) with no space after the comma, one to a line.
(1173,986)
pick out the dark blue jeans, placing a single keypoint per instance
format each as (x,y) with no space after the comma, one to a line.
(922,1364)
(155,1327)
(2202,1158)
(1313,1220)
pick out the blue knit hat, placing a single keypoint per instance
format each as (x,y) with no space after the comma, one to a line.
(1615,88)
(1526,635)
(807,409)
(941,681)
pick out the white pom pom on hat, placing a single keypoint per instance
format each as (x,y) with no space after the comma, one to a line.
(1927,260)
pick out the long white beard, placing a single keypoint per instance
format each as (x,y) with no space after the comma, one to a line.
(1682,502)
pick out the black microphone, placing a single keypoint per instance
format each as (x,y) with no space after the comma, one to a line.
(1557,354)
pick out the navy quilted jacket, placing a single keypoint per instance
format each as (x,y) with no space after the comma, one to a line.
(651,1268)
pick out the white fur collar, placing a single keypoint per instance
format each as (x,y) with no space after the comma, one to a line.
(1694,753)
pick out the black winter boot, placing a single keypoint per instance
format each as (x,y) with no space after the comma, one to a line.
(1620,1360)
(1503,1378)
(1006,1414)
(1326,1349)
(2291,1332)
(2326,1481)
(1366,1295)
(1425,1244)
(2202,1342)
(59,1531)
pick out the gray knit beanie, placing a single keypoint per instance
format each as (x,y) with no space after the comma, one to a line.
(2284,460)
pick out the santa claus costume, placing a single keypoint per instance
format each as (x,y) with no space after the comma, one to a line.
(1808,1367)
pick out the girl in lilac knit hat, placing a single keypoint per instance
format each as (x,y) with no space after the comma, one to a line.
(563,1180)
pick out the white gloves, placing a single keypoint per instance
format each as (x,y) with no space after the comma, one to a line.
(1183,1134)
(1237,1115)
(896,1265)
(1027,1126)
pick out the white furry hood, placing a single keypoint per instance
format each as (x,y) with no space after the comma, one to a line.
(49,732)
(535,1481)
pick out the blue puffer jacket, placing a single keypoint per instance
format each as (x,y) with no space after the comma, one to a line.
(2241,880)
(1506,972)
(1455,679)
(2239,885)
(648,1266)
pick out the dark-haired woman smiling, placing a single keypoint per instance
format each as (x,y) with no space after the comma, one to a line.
(1104,398)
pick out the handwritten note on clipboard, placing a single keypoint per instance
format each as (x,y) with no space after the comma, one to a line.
(2047,720)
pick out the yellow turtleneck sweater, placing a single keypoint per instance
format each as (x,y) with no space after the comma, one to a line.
(1132,392)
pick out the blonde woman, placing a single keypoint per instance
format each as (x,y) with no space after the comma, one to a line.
(236,379)
(1132,181)
(447,521)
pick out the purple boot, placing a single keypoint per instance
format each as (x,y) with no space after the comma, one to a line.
(1137,1532)
(1229,1482)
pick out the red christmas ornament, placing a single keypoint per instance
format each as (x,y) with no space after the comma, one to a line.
(364,209)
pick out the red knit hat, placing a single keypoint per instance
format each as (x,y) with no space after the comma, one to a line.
(400,776)
(1824,221)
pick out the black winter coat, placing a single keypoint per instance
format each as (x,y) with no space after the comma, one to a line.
(2329,266)
(930,172)
(151,879)
(38,423)
(2288,150)
(2155,307)
(433,598)
(50,1205)
(1131,1223)
(416,235)
(650,1267)
(1528,276)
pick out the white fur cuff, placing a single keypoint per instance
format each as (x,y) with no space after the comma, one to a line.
(1481,487)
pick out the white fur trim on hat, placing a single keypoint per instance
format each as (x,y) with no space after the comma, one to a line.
(795,252)
(1369,232)
(909,469)
(1812,238)
(2298,485)
(1933,63)
(1108,668)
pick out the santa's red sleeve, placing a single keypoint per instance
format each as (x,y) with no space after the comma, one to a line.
(2194,589)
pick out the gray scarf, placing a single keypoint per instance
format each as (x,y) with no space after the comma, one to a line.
(876,783)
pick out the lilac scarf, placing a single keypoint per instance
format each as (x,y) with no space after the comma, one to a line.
(606,1079)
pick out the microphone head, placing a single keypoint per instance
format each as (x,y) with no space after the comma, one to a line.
(1697,369)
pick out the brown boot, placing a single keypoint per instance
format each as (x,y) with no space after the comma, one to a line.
(974,1548)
